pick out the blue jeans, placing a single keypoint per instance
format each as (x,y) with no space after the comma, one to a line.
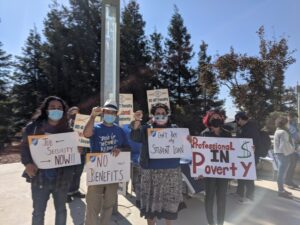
(40,197)
(283,165)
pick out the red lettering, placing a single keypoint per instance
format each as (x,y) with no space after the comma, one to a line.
(233,168)
(196,163)
(246,168)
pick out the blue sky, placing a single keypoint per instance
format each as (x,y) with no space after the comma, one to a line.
(220,23)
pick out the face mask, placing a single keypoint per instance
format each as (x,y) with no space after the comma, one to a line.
(55,114)
(109,118)
(216,123)
(161,119)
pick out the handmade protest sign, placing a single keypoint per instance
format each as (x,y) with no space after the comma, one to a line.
(168,143)
(104,168)
(223,158)
(55,150)
(79,124)
(158,96)
(125,109)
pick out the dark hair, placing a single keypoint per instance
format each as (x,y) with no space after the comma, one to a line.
(73,108)
(41,112)
(159,105)
(280,122)
(209,114)
(241,115)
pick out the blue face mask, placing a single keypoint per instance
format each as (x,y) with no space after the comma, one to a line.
(55,114)
(108,118)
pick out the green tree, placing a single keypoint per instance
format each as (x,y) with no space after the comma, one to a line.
(134,56)
(5,109)
(30,81)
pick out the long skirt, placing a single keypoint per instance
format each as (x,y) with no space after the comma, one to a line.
(160,193)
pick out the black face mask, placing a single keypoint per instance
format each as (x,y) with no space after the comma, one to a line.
(216,123)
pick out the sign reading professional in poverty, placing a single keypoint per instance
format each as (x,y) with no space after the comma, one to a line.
(55,150)
(223,158)
(79,124)
(125,109)
(168,143)
(104,168)
(158,96)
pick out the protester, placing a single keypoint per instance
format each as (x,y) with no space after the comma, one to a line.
(161,181)
(284,150)
(295,137)
(248,129)
(215,186)
(78,169)
(50,118)
(104,137)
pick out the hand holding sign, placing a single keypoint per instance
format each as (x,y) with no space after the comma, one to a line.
(138,116)
(115,152)
(31,170)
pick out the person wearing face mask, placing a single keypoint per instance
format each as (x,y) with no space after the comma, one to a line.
(215,186)
(160,194)
(50,118)
(104,137)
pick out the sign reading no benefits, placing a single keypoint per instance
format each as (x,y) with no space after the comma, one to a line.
(55,150)
(104,168)
(168,143)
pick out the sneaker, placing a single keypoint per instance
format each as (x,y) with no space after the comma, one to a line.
(78,194)
(293,186)
(285,194)
(245,201)
(69,199)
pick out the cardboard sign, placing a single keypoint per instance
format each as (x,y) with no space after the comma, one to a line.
(104,168)
(79,124)
(168,143)
(158,96)
(55,150)
(125,109)
(223,158)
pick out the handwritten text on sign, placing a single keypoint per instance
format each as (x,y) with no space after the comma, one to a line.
(104,168)
(55,150)
(79,124)
(158,96)
(168,143)
(223,158)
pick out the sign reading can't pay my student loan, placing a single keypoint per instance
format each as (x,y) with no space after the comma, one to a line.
(168,143)
(104,168)
(223,158)
(55,150)
(158,96)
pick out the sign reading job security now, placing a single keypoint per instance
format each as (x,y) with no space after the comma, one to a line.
(223,158)
(55,150)
(168,143)
(104,168)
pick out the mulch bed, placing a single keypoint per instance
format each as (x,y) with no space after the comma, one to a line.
(10,154)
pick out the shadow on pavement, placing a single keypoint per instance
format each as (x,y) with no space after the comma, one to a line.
(77,211)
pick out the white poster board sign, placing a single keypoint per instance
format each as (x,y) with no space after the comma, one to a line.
(104,168)
(168,143)
(125,109)
(158,96)
(231,158)
(55,150)
(79,124)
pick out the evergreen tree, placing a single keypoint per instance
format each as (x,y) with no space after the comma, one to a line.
(134,56)
(5,109)
(178,55)
(207,80)
(31,83)
(157,62)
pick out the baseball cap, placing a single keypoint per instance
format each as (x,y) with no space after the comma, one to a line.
(110,105)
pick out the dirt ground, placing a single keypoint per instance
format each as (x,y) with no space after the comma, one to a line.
(10,154)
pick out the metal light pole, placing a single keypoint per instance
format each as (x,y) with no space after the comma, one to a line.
(110,50)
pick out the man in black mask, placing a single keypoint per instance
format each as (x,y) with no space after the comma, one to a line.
(248,129)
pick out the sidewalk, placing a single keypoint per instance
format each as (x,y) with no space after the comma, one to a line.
(268,208)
